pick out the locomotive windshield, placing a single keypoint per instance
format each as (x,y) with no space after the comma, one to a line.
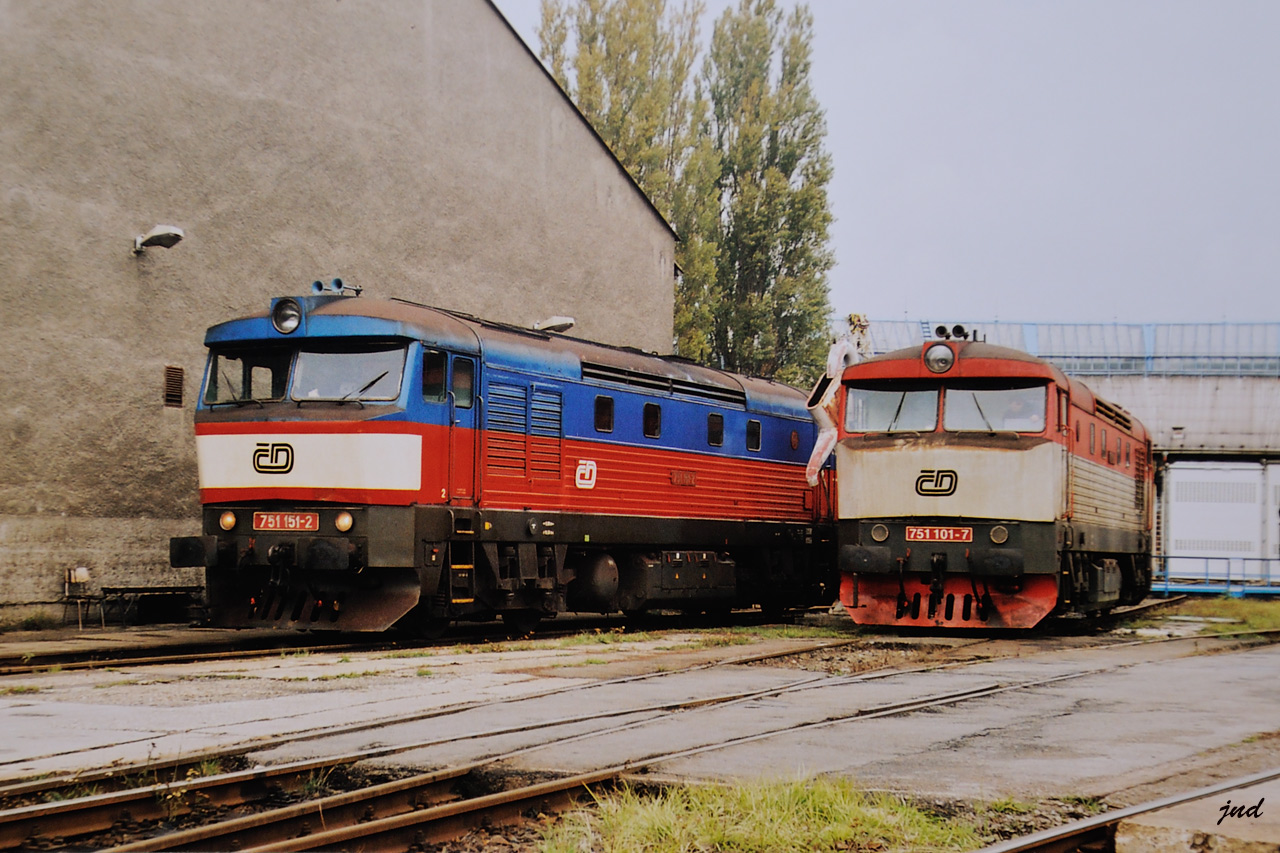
(335,373)
(368,373)
(891,410)
(979,409)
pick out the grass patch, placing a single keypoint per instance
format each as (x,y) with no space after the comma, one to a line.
(1252,614)
(794,632)
(1008,805)
(604,638)
(423,672)
(421,653)
(19,690)
(815,814)
(336,676)
(584,662)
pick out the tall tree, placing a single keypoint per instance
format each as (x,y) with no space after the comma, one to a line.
(772,318)
(732,157)
(629,66)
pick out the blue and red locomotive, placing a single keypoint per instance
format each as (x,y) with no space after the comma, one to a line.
(365,463)
(980,487)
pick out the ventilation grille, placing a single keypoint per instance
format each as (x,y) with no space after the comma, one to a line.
(173,382)
(1116,415)
(637,379)
(1207,492)
(1216,546)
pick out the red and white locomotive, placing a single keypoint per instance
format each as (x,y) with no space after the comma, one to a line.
(369,462)
(979,486)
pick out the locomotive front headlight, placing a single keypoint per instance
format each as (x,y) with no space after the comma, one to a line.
(999,534)
(880,532)
(939,358)
(286,316)
(227,520)
(343,522)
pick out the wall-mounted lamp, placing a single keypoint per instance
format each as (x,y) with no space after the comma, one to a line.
(558,323)
(164,236)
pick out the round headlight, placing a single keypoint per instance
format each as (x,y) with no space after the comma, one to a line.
(343,522)
(939,358)
(227,520)
(286,316)
(999,534)
(880,533)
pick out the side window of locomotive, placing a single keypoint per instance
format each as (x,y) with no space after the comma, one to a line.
(1128,454)
(1093,438)
(1103,445)
(753,435)
(715,429)
(464,382)
(1064,410)
(239,376)
(604,414)
(433,375)
(652,420)
(1117,459)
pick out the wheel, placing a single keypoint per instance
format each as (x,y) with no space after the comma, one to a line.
(521,623)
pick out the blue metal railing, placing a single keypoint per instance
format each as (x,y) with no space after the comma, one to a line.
(1233,576)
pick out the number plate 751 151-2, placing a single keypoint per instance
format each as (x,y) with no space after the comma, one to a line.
(939,534)
(288,521)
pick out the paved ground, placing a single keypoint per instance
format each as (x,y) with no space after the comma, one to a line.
(1143,713)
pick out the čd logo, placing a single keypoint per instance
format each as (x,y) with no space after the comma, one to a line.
(275,458)
(936,484)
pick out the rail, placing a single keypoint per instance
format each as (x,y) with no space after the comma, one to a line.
(1238,577)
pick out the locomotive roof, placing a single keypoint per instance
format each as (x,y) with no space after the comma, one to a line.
(977,356)
(981,359)
(519,349)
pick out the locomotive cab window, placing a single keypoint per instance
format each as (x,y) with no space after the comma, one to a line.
(652,420)
(604,414)
(434,366)
(236,376)
(753,435)
(464,382)
(715,429)
(987,409)
(891,409)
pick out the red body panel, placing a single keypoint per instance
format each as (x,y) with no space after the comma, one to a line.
(627,480)
(876,602)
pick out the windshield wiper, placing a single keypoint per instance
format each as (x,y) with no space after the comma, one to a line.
(901,401)
(981,413)
(237,402)
(374,381)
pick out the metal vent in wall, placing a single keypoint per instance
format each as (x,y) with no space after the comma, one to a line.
(173,380)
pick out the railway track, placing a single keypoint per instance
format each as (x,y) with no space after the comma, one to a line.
(427,807)
(274,644)
(1099,832)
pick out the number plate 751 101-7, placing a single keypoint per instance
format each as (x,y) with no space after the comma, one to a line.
(939,534)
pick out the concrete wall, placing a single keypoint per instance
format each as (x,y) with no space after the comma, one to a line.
(412,147)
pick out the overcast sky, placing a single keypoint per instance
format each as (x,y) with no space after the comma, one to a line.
(1024,160)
